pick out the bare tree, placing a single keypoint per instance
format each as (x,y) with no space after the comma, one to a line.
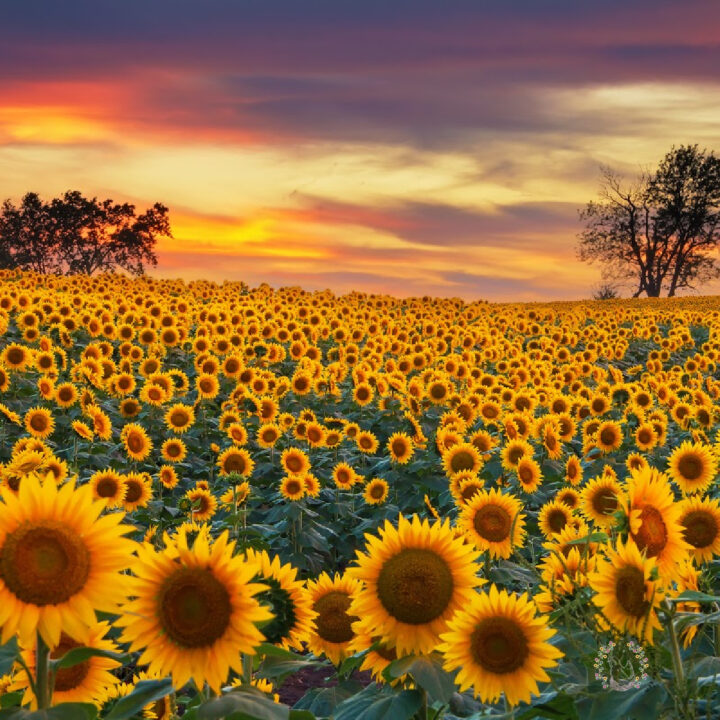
(658,232)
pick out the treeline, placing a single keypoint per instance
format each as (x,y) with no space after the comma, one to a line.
(74,234)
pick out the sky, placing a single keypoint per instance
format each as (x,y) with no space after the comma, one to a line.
(406,147)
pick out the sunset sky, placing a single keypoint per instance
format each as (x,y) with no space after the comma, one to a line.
(404,147)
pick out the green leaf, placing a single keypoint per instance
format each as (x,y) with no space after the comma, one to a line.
(639,704)
(323,701)
(694,596)
(81,654)
(145,692)
(375,703)
(428,674)
(594,537)
(301,715)
(243,703)
(8,654)
(274,667)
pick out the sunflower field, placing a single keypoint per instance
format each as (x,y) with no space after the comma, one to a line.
(219,501)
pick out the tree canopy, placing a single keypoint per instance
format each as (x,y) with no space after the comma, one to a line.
(74,234)
(659,232)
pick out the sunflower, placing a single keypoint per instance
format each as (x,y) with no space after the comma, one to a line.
(366,442)
(470,485)
(599,499)
(136,440)
(344,476)
(312,484)
(179,418)
(15,357)
(376,492)
(46,388)
(130,408)
(400,447)
(268,434)
(529,474)
(39,422)
(138,491)
(609,436)
(363,394)
(207,386)
(692,467)
(513,452)
(295,461)
(573,470)
(236,495)
(289,599)
(301,383)
(66,395)
(463,457)
(82,429)
(168,476)
(625,591)
(493,522)
(415,577)
(235,460)
(553,517)
(237,433)
(109,486)
(174,450)
(700,522)
(59,560)
(645,437)
(101,422)
(331,600)
(653,519)
(500,646)
(193,611)
(570,497)
(203,504)
(292,487)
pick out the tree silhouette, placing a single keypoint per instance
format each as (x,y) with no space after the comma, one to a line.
(73,234)
(658,232)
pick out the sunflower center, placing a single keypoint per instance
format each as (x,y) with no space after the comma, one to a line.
(630,591)
(235,463)
(38,423)
(604,502)
(16,356)
(332,622)
(377,491)
(498,645)
(194,607)
(462,460)
(293,486)
(608,436)
(415,586)
(44,562)
(69,678)
(107,487)
(134,491)
(492,523)
(556,520)
(398,448)
(652,535)
(283,609)
(135,443)
(700,528)
(294,463)
(526,475)
(644,436)
(690,467)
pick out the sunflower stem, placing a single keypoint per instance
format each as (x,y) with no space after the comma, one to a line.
(675,647)
(43,689)
(247,664)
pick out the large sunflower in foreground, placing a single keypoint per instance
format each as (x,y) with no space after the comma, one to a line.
(493,521)
(415,577)
(59,559)
(692,467)
(625,591)
(193,611)
(84,682)
(500,646)
(653,517)
(290,601)
(333,633)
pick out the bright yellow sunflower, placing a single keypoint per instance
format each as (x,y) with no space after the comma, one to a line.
(700,522)
(59,560)
(599,499)
(500,645)
(653,518)
(331,600)
(84,682)
(625,591)
(138,491)
(108,486)
(39,422)
(292,487)
(553,517)
(376,491)
(235,460)
(692,467)
(179,418)
(529,474)
(400,447)
(492,521)
(136,440)
(289,599)
(194,610)
(203,504)
(295,461)
(463,457)
(415,577)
